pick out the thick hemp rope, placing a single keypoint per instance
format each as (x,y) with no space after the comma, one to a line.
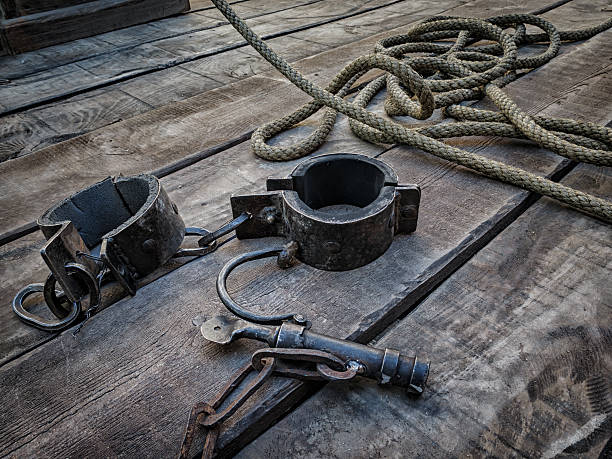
(447,75)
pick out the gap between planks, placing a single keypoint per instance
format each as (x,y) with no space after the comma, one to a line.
(389,259)
(319,152)
(179,60)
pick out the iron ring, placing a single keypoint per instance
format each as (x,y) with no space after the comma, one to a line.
(37,321)
(73,315)
(57,305)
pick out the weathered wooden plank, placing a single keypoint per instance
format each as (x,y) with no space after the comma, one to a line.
(361,26)
(459,215)
(14,67)
(174,84)
(95,109)
(44,83)
(90,111)
(25,272)
(158,137)
(30,62)
(82,20)
(21,134)
(132,61)
(521,354)
(125,100)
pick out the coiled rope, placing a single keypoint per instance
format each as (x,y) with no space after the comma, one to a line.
(448,75)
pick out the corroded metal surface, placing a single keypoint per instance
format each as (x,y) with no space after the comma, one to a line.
(123,227)
(342,210)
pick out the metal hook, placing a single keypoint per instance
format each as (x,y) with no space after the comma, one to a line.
(239,310)
(209,242)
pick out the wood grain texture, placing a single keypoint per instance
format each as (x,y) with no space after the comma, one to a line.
(187,80)
(158,137)
(27,63)
(520,342)
(21,134)
(142,360)
(212,36)
(82,20)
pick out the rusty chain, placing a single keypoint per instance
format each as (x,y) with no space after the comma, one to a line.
(289,363)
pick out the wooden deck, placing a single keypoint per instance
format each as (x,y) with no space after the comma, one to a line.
(509,296)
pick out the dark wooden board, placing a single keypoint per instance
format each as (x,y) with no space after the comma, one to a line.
(520,343)
(14,67)
(16,8)
(147,382)
(181,82)
(45,28)
(212,37)
(158,137)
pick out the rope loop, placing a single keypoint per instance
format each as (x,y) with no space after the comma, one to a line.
(423,73)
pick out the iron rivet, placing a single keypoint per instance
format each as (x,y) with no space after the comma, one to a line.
(332,246)
(270,219)
(408,211)
(149,246)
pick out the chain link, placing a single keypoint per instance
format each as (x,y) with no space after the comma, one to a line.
(290,363)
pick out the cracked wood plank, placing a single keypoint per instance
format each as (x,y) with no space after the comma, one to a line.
(184,81)
(520,343)
(147,382)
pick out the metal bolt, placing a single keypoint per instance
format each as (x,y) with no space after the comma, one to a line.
(409,211)
(286,257)
(270,219)
(149,246)
(332,246)
(358,367)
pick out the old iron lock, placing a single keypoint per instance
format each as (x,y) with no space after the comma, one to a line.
(339,212)
(293,349)
(387,366)
(342,210)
